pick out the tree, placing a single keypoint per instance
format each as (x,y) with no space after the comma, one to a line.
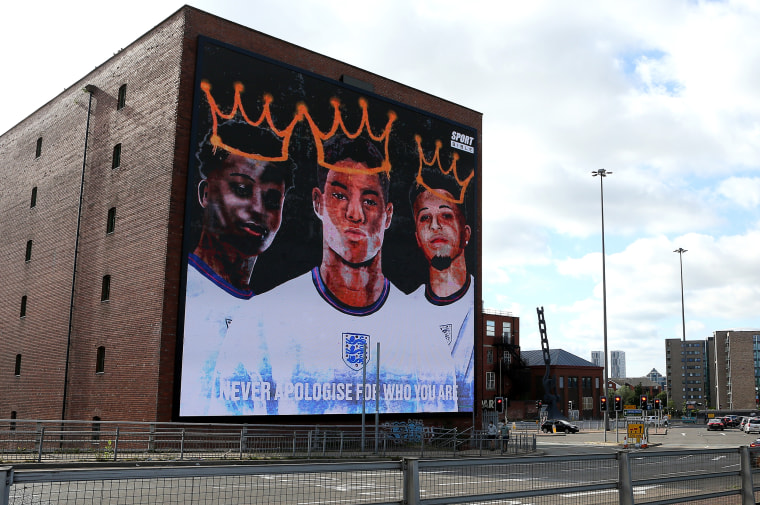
(638,390)
(627,394)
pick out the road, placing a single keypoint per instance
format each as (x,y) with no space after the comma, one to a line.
(673,438)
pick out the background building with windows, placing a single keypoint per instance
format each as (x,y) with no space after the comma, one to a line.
(617,364)
(577,380)
(657,377)
(597,358)
(502,368)
(734,364)
(648,387)
(93,211)
(687,374)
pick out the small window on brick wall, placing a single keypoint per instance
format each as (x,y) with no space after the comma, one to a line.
(23,306)
(34,198)
(116,160)
(100,360)
(105,290)
(490,328)
(96,428)
(38,149)
(111,223)
(28,256)
(122,100)
(17,370)
(490,381)
(13,420)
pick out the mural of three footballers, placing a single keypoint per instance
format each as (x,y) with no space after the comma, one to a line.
(321,222)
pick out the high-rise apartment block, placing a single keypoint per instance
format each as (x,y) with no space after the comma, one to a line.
(685,361)
(617,364)
(734,365)
(597,358)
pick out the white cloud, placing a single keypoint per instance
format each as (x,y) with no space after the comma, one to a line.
(742,191)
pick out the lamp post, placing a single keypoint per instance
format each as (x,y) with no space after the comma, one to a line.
(602,173)
(680,252)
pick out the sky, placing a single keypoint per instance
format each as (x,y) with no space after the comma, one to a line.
(664,95)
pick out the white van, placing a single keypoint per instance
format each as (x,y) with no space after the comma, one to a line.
(654,420)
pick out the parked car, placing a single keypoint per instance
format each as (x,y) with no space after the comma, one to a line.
(731,421)
(654,420)
(559,425)
(753,425)
(715,424)
(756,443)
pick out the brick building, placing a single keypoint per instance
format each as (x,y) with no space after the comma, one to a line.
(648,387)
(734,368)
(687,374)
(93,206)
(577,380)
(500,362)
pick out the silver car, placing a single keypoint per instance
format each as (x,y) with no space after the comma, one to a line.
(752,426)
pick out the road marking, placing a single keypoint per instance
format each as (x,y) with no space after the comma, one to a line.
(588,493)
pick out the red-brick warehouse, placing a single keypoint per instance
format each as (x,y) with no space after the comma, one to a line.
(93,204)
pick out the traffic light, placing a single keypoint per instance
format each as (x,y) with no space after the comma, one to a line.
(644,402)
(570,405)
(603,404)
(657,404)
(618,403)
(499,404)
(538,404)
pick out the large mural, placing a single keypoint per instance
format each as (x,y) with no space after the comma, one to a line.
(329,248)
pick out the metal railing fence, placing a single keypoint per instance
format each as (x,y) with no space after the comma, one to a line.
(723,476)
(55,442)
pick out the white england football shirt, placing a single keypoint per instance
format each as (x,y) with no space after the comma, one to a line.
(452,319)
(298,350)
(210,305)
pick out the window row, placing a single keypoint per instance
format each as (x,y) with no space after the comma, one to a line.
(115,161)
(506,330)
(572,382)
(121,102)
(105,295)
(100,362)
(110,226)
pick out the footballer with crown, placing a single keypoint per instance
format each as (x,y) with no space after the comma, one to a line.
(446,303)
(312,361)
(242,198)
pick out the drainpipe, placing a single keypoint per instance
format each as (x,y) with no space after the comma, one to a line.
(89,89)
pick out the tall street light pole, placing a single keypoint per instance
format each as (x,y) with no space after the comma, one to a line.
(680,252)
(602,173)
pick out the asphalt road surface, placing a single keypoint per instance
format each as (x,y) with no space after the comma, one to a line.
(673,438)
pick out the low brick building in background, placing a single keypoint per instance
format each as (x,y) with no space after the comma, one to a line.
(577,380)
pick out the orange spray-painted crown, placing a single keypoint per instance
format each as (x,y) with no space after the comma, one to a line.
(451,171)
(301,113)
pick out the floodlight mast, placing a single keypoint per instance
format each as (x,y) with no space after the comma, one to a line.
(680,252)
(602,173)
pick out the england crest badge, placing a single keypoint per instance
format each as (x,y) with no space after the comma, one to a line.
(353,349)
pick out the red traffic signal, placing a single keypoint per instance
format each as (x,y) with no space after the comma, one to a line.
(603,403)
(618,402)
